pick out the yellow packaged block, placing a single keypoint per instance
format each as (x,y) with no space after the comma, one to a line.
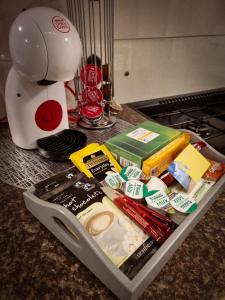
(159,162)
(95,161)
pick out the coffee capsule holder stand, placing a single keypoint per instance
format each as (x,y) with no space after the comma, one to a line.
(57,219)
(94,80)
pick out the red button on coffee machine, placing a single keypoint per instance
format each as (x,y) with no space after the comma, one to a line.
(49,115)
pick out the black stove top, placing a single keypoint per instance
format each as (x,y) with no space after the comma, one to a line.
(202,113)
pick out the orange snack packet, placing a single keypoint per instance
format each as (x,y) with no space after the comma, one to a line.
(215,171)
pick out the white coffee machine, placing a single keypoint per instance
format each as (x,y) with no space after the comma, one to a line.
(46,51)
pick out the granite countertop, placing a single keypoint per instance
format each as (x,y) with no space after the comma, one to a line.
(35,265)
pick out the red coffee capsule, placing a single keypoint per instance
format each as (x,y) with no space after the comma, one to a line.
(91,111)
(91,75)
(92,96)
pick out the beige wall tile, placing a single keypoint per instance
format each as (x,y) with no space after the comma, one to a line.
(164,67)
(165,18)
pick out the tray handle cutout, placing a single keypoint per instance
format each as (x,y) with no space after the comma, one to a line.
(65,230)
(60,221)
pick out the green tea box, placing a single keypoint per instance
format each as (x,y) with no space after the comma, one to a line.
(137,143)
